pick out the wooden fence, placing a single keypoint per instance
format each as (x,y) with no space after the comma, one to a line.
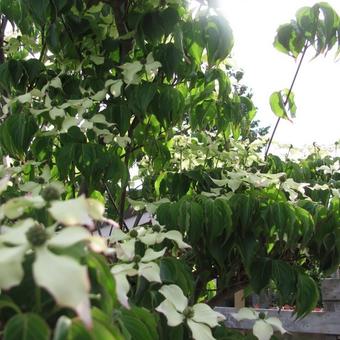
(324,325)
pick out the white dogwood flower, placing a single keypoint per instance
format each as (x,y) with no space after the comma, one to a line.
(263,327)
(200,318)
(49,269)
(125,242)
(130,72)
(331,169)
(151,66)
(77,211)
(141,266)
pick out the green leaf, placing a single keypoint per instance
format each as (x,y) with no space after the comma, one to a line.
(53,38)
(62,5)
(16,134)
(167,214)
(217,214)
(248,246)
(243,210)
(307,295)
(6,302)
(260,274)
(277,103)
(289,40)
(329,25)
(104,282)
(169,19)
(176,271)
(305,225)
(193,39)
(151,26)
(219,38)
(190,220)
(140,96)
(285,279)
(100,330)
(307,19)
(282,216)
(170,57)
(16,70)
(40,10)
(26,326)
(33,68)
(5,77)
(169,107)
(144,316)
(138,329)
(119,114)
(64,158)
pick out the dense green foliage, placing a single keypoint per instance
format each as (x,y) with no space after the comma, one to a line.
(133,104)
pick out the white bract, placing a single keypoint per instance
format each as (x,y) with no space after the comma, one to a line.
(293,188)
(262,180)
(330,170)
(200,318)
(151,66)
(49,269)
(125,242)
(77,211)
(130,72)
(142,266)
(15,207)
(263,327)
(4,182)
(115,86)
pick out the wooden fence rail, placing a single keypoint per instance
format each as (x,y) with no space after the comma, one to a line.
(325,323)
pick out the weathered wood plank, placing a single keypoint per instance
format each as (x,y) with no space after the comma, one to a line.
(327,323)
(331,294)
(239,301)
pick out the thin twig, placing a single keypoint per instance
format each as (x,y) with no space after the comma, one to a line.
(287,99)
(115,207)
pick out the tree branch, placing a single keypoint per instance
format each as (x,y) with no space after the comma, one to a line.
(3,25)
(120,8)
(129,150)
(123,225)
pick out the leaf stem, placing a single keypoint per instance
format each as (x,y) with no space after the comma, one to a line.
(287,99)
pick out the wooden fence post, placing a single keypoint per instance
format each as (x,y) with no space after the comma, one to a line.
(330,290)
(239,300)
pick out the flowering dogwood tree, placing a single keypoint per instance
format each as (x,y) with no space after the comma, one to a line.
(112,105)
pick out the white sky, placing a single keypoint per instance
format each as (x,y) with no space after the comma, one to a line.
(317,89)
